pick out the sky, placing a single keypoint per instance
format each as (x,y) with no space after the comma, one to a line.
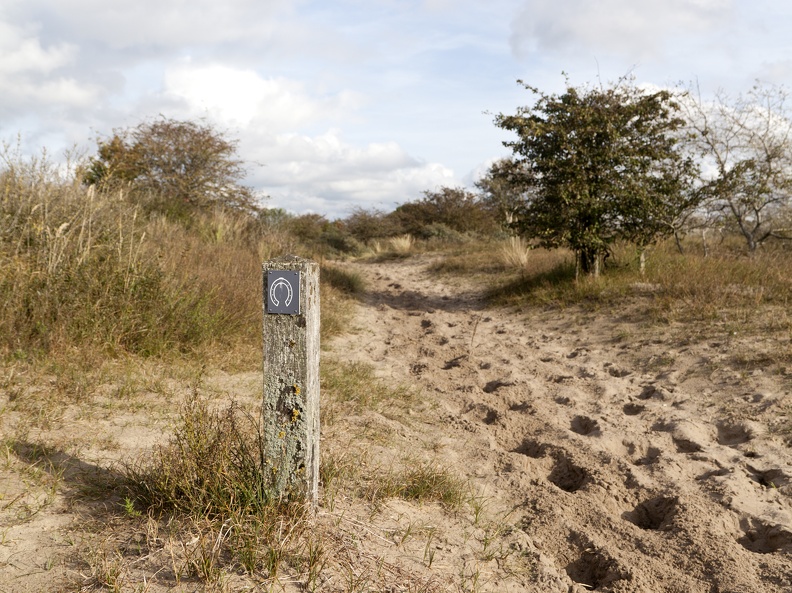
(345,104)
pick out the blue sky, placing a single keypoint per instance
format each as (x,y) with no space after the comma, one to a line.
(357,103)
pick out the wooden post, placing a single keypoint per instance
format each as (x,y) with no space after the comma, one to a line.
(290,412)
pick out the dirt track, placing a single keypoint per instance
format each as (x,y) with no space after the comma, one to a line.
(621,461)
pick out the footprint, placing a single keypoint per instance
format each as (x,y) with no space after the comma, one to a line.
(531,448)
(491,416)
(654,392)
(617,372)
(594,570)
(655,513)
(686,446)
(734,433)
(652,454)
(454,362)
(771,478)
(632,409)
(585,426)
(522,406)
(761,537)
(567,476)
(493,386)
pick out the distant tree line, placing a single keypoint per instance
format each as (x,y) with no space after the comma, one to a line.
(590,166)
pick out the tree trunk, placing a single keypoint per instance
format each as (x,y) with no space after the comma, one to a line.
(678,241)
(589,262)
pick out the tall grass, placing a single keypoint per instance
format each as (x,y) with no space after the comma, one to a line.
(81,268)
(75,269)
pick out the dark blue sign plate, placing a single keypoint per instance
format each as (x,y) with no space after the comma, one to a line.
(283,292)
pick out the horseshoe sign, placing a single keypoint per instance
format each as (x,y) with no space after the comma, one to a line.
(283,292)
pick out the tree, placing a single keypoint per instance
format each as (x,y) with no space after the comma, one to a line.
(747,142)
(181,166)
(455,208)
(507,185)
(605,164)
(367,225)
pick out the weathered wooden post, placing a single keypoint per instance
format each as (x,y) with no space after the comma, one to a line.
(291,377)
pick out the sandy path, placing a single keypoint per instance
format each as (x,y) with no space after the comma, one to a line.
(622,477)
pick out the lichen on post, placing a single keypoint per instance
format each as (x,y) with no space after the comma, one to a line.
(290,411)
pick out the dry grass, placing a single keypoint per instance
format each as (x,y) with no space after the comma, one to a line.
(516,253)
(86,269)
(402,244)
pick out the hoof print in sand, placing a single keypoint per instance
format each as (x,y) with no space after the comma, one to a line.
(652,455)
(585,426)
(531,448)
(522,406)
(491,417)
(655,513)
(617,372)
(653,392)
(732,434)
(764,538)
(633,409)
(568,476)
(594,570)
(686,446)
(771,478)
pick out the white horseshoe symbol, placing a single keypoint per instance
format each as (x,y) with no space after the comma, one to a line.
(289,292)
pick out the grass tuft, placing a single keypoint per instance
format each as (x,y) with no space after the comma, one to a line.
(212,466)
(423,482)
(346,282)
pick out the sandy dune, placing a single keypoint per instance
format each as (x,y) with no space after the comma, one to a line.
(630,462)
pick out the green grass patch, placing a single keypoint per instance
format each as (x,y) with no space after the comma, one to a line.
(346,282)
(353,387)
(423,482)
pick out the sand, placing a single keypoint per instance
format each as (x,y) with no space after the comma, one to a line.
(631,456)
(602,452)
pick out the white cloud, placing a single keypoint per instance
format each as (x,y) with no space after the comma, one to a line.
(31,74)
(326,174)
(241,97)
(21,52)
(638,28)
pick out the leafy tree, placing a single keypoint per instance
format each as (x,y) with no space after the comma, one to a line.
(605,164)
(505,188)
(181,166)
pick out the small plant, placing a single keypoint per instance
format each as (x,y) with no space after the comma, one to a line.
(355,385)
(429,550)
(477,505)
(108,570)
(129,508)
